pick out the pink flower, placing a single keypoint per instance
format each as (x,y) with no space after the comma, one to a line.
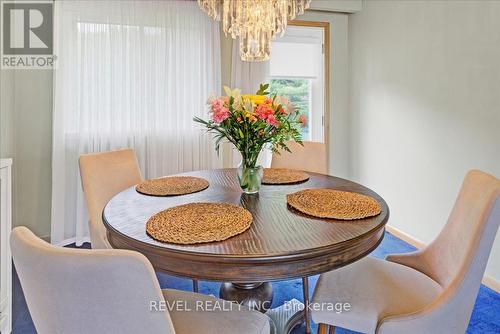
(271,120)
(268,100)
(221,115)
(219,111)
(282,111)
(303,120)
(211,98)
(263,111)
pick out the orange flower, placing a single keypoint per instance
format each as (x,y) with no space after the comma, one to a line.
(303,120)
(263,111)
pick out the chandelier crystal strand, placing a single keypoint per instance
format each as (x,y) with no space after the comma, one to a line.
(254,22)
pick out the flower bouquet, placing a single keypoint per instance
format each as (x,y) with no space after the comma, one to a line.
(250,123)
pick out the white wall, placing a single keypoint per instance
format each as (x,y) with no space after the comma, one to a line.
(339,150)
(26,137)
(425,105)
(6,112)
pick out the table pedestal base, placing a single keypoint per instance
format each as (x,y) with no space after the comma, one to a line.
(256,296)
(287,316)
(259,296)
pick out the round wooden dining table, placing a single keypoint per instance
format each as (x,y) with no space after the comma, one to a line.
(280,244)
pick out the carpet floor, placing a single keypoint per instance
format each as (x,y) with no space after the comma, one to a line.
(485,317)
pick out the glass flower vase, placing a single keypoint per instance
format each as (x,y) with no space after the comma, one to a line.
(249,177)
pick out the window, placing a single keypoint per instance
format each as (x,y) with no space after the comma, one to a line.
(296,70)
(299,93)
(129,75)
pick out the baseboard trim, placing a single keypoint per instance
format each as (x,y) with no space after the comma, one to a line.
(405,237)
(72,241)
(488,280)
(491,283)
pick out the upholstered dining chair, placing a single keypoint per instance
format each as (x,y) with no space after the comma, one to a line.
(114,291)
(310,158)
(103,176)
(432,290)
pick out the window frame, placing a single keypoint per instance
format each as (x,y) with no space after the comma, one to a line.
(326,71)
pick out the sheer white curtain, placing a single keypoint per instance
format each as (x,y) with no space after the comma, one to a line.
(248,76)
(129,74)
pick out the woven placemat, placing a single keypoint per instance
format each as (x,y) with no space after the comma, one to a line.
(198,222)
(335,204)
(172,185)
(283,176)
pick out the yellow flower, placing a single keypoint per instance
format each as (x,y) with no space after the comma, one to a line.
(255,99)
(250,117)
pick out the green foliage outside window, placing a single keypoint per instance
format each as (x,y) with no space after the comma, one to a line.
(297,90)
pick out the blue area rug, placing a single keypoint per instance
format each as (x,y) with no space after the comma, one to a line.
(485,317)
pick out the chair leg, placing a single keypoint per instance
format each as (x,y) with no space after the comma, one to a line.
(305,291)
(322,329)
(195,285)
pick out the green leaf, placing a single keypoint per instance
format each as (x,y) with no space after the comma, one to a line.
(262,89)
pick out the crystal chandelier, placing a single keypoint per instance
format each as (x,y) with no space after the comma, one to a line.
(255,22)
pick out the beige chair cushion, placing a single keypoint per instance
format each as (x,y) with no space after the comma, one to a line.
(375,289)
(80,291)
(104,175)
(456,260)
(311,157)
(210,315)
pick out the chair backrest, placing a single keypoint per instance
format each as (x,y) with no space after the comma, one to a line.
(457,259)
(474,217)
(87,291)
(311,157)
(103,176)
